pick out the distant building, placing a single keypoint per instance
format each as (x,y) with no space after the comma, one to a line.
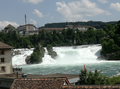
(69,26)
(5,59)
(9,28)
(51,29)
(28,29)
(79,27)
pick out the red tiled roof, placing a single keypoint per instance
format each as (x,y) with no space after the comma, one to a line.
(50,29)
(41,83)
(54,83)
(4,46)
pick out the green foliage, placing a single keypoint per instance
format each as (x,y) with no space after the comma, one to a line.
(91,78)
(111,43)
(96,24)
(35,58)
(67,37)
(28,46)
(115,80)
(37,55)
(49,48)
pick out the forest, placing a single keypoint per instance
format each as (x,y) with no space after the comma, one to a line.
(111,43)
(96,24)
(67,37)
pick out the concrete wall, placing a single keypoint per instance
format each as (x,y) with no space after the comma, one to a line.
(29,28)
(7,61)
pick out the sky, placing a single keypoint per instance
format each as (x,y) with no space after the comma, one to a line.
(40,12)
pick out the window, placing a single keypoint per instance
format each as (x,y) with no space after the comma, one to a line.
(3,69)
(2,60)
(1,51)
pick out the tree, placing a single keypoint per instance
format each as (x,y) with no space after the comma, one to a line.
(91,78)
(34,58)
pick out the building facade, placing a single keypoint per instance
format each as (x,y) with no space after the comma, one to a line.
(27,27)
(5,59)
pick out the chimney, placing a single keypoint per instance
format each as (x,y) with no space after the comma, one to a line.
(25,20)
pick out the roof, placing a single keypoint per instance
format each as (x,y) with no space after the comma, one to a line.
(54,83)
(41,83)
(29,24)
(26,25)
(50,29)
(9,26)
(92,87)
(5,46)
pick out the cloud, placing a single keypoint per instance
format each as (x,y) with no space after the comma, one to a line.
(103,1)
(33,21)
(38,13)
(52,17)
(115,6)
(76,10)
(3,24)
(33,1)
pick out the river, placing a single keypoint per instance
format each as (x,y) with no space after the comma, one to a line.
(71,60)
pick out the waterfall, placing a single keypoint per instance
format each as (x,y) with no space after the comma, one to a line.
(74,55)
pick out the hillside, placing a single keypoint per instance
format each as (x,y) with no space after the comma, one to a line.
(96,24)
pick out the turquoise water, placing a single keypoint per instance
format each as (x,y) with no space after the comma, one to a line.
(71,60)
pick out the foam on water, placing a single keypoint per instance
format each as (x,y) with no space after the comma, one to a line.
(74,55)
(70,60)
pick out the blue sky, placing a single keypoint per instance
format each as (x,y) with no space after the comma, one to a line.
(40,12)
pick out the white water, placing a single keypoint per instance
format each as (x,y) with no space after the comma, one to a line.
(72,56)
(70,60)
(20,58)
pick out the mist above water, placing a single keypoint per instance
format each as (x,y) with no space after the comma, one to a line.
(74,55)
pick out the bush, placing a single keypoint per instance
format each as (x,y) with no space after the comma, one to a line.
(34,58)
(49,48)
(91,78)
(37,55)
(115,80)
(28,46)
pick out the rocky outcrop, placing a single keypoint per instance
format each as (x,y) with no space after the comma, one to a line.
(36,56)
(52,53)
(27,60)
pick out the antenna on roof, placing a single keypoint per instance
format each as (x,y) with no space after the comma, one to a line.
(25,19)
